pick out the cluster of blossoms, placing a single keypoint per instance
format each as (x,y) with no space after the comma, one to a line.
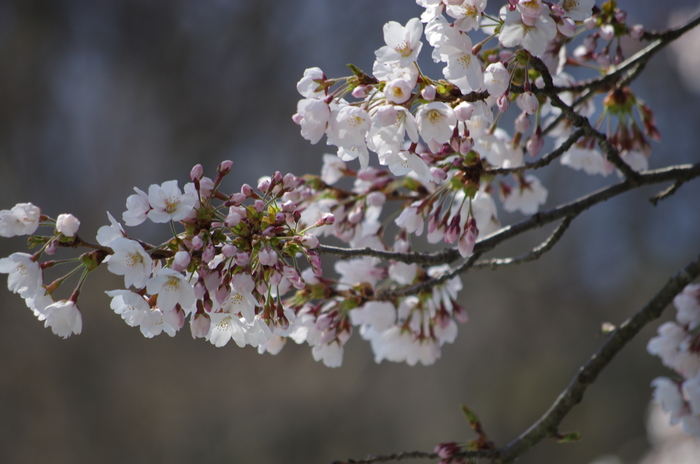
(235,268)
(444,134)
(678,346)
(234,271)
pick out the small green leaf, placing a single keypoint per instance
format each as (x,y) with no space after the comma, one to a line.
(568,437)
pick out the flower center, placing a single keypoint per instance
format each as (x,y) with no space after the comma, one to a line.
(403,49)
(434,116)
(171,205)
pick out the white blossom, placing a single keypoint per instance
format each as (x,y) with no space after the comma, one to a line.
(169,203)
(131,261)
(22,219)
(24,274)
(64,318)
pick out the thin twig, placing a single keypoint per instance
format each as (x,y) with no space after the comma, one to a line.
(548,424)
(662,195)
(480,454)
(680,173)
(532,255)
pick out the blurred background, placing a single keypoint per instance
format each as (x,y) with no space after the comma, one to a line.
(97,97)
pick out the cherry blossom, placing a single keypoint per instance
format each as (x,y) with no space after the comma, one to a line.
(64,318)
(169,203)
(22,219)
(24,274)
(402,42)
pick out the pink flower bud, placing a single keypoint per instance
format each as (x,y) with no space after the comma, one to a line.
(637,31)
(67,224)
(209,253)
(429,92)
(264,184)
(196,173)
(290,181)
(51,247)
(522,123)
(465,146)
(620,16)
(376,199)
(360,91)
(247,190)
(438,174)
(607,32)
(259,205)
(224,167)
(309,241)
(527,101)
(275,278)
(199,325)
(464,111)
(534,144)
(229,250)
(503,103)
(242,258)
(181,261)
(590,23)
(236,199)
(327,219)
(603,60)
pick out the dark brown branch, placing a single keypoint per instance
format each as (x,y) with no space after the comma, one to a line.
(548,424)
(680,173)
(662,195)
(532,255)
(480,454)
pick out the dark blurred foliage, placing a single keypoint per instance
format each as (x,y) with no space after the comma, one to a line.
(99,96)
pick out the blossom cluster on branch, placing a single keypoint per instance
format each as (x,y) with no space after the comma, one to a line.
(246,266)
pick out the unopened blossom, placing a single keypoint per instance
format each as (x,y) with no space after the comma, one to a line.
(24,274)
(200,325)
(172,288)
(22,219)
(533,37)
(527,102)
(137,208)
(169,203)
(64,318)
(308,86)
(403,43)
(67,224)
(131,261)
(436,121)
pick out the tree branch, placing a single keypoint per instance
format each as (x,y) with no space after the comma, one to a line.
(532,255)
(547,425)
(680,173)
(479,454)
